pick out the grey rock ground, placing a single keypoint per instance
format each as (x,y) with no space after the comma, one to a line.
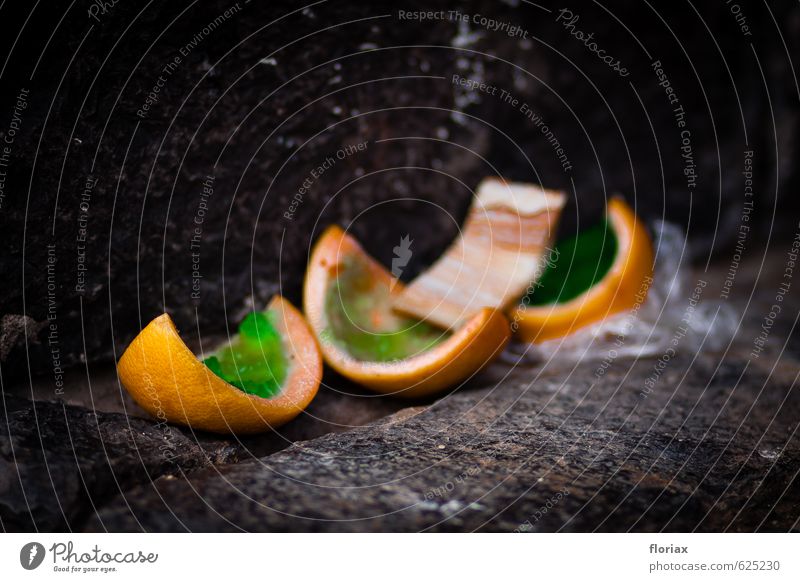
(58,463)
(544,451)
(522,446)
(62,460)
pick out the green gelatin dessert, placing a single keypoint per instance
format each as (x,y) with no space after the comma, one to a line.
(254,361)
(362,322)
(575,265)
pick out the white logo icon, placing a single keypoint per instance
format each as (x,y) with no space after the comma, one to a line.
(402,254)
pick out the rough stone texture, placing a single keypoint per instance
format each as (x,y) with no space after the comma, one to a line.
(695,454)
(261,127)
(714,447)
(58,463)
(539,447)
(14,329)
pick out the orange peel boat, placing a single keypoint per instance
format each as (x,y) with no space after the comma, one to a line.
(600,272)
(166,379)
(347,300)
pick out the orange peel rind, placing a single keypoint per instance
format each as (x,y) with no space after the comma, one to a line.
(166,379)
(623,286)
(482,338)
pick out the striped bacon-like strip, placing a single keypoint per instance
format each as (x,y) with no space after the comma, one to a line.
(499,255)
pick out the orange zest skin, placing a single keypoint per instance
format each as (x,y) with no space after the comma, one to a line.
(624,285)
(169,382)
(467,350)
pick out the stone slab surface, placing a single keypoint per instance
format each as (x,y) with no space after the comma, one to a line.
(713,447)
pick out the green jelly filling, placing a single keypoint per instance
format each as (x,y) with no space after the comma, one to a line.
(575,265)
(254,361)
(361,320)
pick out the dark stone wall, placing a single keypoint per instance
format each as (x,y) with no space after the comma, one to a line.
(261,97)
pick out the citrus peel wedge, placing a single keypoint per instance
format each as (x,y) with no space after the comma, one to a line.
(166,379)
(623,284)
(418,371)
